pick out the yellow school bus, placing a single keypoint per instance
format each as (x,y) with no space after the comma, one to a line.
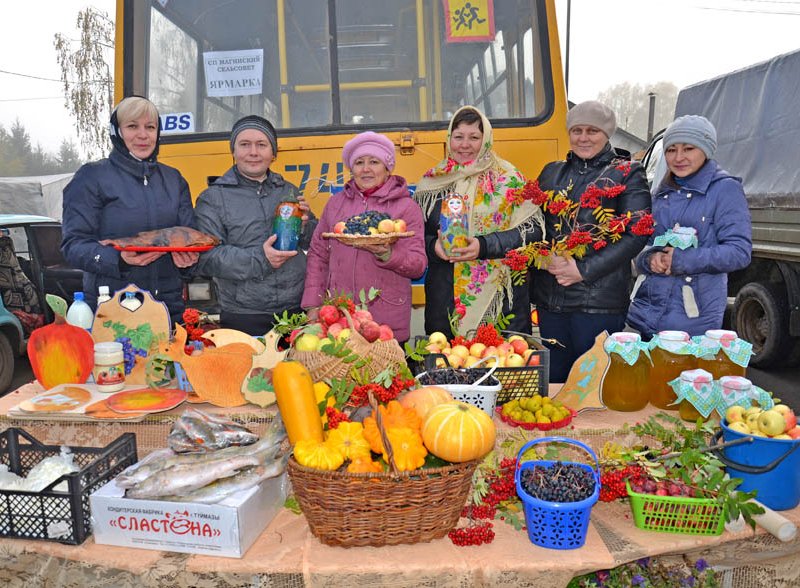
(324,70)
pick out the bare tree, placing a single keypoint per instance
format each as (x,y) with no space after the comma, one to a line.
(88,78)
(631,102)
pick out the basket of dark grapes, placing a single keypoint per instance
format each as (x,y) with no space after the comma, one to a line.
(475,385)
(557,496)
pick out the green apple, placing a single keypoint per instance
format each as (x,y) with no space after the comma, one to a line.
(438,338)
(306,342)
(734,414)
(739,427)
(771,422)
(752,420)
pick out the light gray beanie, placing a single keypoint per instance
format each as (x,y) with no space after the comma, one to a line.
(692,129)
(594,114)
(259,123)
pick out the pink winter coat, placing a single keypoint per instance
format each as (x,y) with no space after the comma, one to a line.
(340,268)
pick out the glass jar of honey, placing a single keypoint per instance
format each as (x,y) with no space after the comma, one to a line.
(696,388)
(625,387)
(671,354)
(735,390)
(718,354)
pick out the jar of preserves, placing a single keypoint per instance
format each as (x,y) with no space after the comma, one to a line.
(109,366)
(625,387)
(722,353)
(671,353)
(735,390)
(696,394)
(287,224)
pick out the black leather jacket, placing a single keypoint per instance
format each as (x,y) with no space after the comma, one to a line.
(606,273)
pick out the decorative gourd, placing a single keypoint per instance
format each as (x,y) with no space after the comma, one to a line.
(425,398)
(458,432)
(364,465)
(407,448)
(297,403)
(393,416)
(317,454)
(60,353)
(348,439)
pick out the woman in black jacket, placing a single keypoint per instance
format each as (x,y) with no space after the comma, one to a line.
(577,299)
(127,193)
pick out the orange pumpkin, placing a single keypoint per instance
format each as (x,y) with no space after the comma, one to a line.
(425,398)
(458,432)
(393,416)
(60,353)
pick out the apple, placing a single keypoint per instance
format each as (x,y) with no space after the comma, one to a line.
(751,420)
(758,433)
(386,333)
(343,334)
(794,433)
(343,321)
(386,226)
(477,349)
(519,345)
(752,410)
(456,360)
(739,427)
(514,360)
(771,422)
(734,414)
(329,314)
(335,329)
(339,227)
(432,348)
(504,348)
(362,315)
(788,416)
(782,436)
(471,361)
(460,350)
(306,342)
(400,226)
(440,362)
(489,351)
(438,338)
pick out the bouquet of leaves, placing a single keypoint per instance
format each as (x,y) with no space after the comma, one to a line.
(576,238)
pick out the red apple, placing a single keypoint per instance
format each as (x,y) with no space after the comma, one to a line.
(343,321)
(386,333)
(335,329)
(329,314)
(794,433)
(362,315)
(339,227)
(519,345)
(788,415)
(370,330)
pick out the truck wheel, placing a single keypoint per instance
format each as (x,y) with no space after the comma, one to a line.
(6,364)
(760,315)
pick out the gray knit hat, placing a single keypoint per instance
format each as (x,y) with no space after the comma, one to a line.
(258,123)
(692,129)
(594,114)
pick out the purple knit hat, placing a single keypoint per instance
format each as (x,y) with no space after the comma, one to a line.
(369,143)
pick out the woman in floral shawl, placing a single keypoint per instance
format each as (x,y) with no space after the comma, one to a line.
(471,283)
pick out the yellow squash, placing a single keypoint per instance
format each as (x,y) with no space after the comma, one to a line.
(294,391)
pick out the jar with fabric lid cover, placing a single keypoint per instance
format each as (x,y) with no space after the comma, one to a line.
(625,386)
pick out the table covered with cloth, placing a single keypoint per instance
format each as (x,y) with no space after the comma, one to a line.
(288,555)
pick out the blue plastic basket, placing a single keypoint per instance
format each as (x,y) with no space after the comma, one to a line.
(556,525)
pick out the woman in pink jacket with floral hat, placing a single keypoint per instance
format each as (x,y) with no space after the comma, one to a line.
(334,267)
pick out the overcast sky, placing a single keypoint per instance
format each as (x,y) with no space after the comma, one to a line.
(612,41)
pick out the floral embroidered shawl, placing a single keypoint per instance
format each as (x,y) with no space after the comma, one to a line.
(490,183)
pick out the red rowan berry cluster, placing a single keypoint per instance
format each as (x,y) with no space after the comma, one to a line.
(612,483)
(475,534)
(335,416)
(359,396)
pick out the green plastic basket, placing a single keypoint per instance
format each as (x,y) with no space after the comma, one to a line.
(677,514)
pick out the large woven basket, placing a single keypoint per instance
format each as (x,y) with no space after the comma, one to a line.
(383,508)
(351,510)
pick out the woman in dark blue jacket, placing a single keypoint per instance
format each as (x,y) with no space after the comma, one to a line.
(702,232)
(120,196)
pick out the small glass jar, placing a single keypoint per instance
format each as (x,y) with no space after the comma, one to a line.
(625,387)
(109,366)
(287,225)
(716,360)
(668,365)
(702,382)
(736,390)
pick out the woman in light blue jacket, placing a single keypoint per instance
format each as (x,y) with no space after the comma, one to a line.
(702,232)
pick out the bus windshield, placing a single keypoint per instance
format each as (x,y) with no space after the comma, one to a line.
(314,66)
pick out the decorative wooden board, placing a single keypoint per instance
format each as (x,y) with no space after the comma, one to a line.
(62,399)
(222,337)
(216,375)
(149,322)
(257,386)
(581,391)
(145,400)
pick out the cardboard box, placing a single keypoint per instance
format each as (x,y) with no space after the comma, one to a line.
(227,528)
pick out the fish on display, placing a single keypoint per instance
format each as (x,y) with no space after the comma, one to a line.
(177,237)
(197,431)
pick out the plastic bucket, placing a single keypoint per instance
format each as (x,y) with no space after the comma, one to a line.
(769,466)
(556,525)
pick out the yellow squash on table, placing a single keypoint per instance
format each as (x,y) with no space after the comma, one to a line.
(294,392)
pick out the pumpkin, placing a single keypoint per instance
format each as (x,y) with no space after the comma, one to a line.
(317,454)
(458,432)
(393,416)
(297,402)
(60,353)
(348,439)
(364,465)
(425,398)
(407,448)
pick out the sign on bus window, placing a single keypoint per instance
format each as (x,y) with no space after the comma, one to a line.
(469,20)
(234,73)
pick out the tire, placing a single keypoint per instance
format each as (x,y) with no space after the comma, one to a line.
(6,363)
(761,316)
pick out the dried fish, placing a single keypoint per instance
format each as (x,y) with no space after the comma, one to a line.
(197,431)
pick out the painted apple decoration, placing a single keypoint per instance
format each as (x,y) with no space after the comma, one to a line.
(60,353)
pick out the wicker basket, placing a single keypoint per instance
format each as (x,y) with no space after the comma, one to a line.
(384,508)
(377,239)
